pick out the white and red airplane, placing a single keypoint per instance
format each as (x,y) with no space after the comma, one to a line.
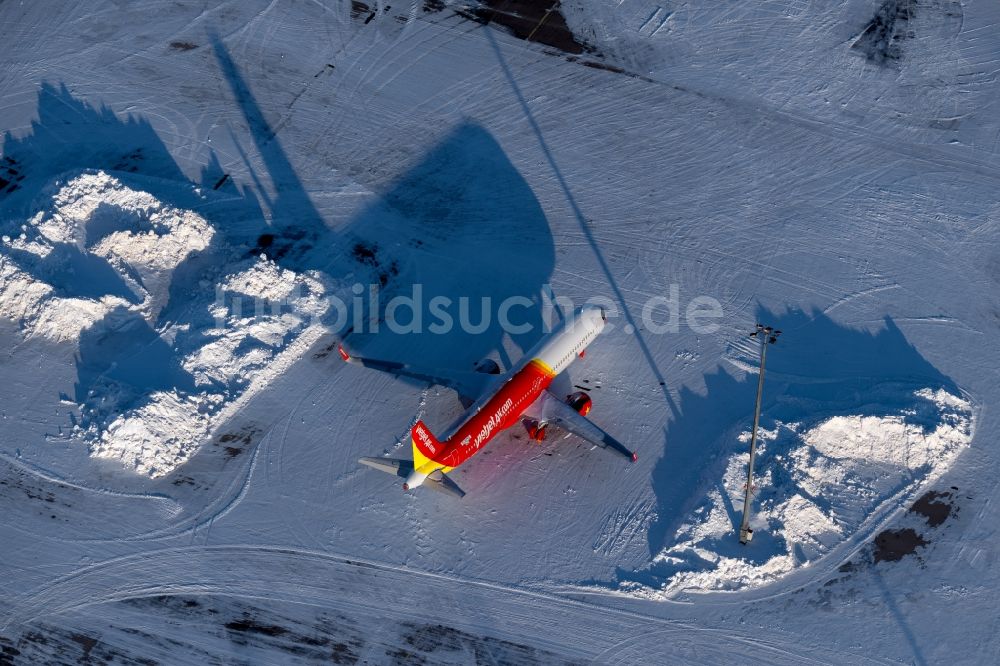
(497,403)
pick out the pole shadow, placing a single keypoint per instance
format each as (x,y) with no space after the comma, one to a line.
(585,224)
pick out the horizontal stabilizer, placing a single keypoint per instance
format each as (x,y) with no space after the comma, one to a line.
(441,482)
(394,466)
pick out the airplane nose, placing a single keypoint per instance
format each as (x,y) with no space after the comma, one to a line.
(589,310)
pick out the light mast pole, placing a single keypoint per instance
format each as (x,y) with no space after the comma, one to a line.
(768,336)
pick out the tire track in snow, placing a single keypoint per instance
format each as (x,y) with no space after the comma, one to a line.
(171,505)
(218,507)
(712,646)
(858,294)
(334,581)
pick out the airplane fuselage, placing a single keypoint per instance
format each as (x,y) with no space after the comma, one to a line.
(505,407)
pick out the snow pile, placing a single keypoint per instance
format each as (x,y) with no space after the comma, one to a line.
(146,254)
(817,485)
(100,258)
(90,223)
(259,311)
(39,309)
(255,312)
(158,435)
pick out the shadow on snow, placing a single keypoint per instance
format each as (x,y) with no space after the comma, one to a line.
(461,222)
(818,369)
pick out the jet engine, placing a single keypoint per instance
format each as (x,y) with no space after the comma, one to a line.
(581,402)
(488,366)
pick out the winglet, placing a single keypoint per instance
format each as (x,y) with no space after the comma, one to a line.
(343,353)
(635,456)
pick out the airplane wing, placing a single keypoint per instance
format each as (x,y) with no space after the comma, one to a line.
(557,412)
(469,385)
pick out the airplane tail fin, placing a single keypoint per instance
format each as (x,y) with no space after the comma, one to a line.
(427,470)
(426,447)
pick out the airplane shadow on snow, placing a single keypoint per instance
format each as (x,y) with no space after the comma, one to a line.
(817,370)
(460,222)
(471,231)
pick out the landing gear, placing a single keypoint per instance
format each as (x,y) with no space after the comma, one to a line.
(536,431)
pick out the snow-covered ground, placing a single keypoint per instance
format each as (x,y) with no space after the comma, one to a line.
(186,189)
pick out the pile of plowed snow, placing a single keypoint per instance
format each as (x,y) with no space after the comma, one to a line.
(817,486)
(97,262)
(47,263)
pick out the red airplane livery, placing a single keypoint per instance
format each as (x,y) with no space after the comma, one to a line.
(499,402)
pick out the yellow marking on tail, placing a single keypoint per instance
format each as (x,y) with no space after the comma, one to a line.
(419,459)
(423,464)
